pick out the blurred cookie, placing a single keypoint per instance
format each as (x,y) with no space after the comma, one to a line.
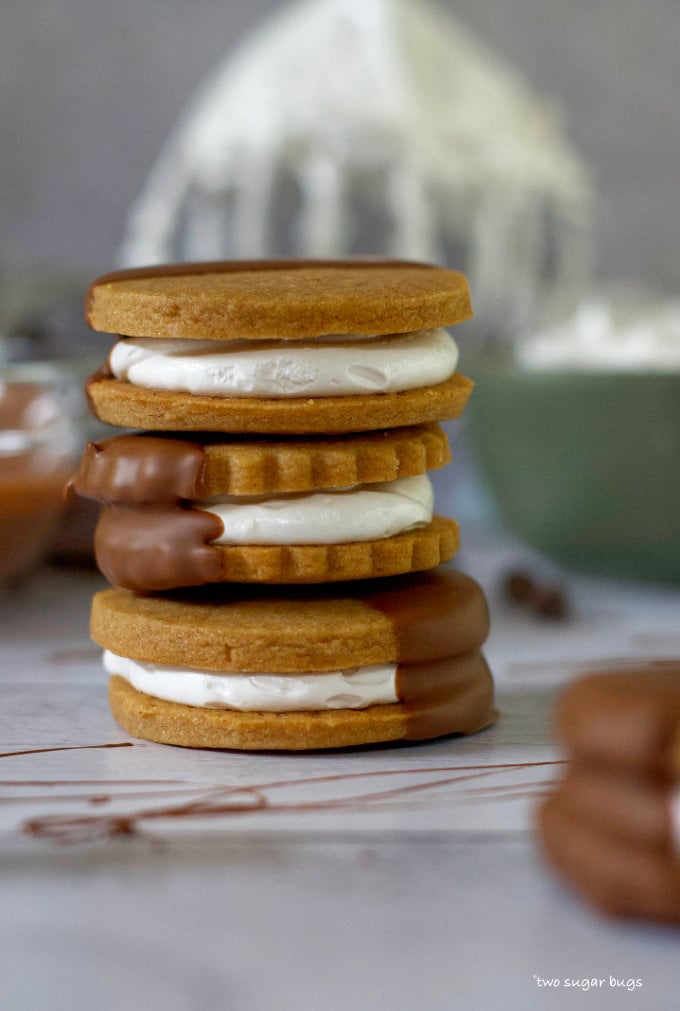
(612,825)
(628,718)
(388,660)
(620,803)
(616,875)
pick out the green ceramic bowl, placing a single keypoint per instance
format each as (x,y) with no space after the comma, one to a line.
(585,466)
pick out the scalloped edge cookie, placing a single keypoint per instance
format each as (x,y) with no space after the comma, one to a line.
(181,554)
(151,467)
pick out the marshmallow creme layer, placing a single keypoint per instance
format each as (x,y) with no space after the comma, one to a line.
(340,365)
(367,512)
(357,688)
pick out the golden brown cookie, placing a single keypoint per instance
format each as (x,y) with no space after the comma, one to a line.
(151,549)
(120,403)
(407,619)
(426,630)
(156,468)
(286,299)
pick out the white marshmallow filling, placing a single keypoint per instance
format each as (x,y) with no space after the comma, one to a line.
(367,512)
(355,688)
(338,365)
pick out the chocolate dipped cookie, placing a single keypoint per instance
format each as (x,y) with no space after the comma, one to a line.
(385,660)
(185,512)
(612,826)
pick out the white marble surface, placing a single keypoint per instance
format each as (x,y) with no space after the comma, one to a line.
(137,875)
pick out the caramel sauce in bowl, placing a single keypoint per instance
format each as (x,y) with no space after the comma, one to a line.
(39,444)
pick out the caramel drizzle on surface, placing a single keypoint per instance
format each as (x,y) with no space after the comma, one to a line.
(221,801)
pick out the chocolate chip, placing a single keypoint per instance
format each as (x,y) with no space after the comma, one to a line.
(544,599)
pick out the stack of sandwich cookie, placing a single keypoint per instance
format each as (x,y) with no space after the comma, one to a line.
(270,532)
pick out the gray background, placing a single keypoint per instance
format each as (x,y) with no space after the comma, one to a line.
(91,89)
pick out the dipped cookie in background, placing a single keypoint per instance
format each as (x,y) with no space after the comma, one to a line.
(611,829)
(276,499)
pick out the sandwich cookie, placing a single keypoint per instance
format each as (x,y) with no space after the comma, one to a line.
(612,826)
(385,660)
(186,512)
(279,347)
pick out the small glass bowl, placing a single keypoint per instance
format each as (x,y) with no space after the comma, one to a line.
(40,439)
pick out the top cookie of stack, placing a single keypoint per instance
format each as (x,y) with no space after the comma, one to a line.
(279,347)
(315,386)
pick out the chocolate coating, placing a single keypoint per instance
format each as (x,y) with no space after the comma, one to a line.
(453,695)
(439,613)
(141,469)
(158,547)
(614,875)
(628,718)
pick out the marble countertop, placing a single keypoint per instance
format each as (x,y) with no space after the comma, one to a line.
(138,875)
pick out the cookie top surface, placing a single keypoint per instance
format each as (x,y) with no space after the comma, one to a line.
(273,298)
(410,619)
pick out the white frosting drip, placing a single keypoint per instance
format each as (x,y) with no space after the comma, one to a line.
(425,143)
(367,512)
(624,333)
(355,688)
(333,366)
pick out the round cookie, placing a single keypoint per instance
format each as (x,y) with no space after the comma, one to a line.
(628,718)
(281,301)
(269,298)
(153,468)
(431,627)
(120,403)
(149,538)
(424,616)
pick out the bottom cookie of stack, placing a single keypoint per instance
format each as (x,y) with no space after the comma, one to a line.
(299,669)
